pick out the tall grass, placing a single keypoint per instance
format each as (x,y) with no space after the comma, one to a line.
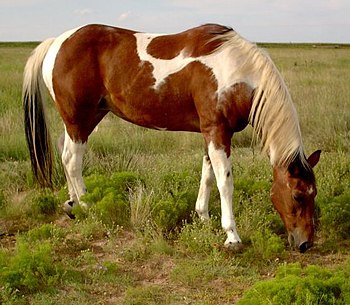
(319,79)
(140,239)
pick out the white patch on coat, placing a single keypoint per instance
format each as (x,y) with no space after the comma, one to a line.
(223,65)
(50,58)
(162,68)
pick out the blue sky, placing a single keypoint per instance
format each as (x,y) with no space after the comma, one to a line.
(257,20)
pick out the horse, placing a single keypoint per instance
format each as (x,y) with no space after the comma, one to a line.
(207,79)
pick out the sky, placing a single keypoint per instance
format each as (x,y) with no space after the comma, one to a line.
(257,20)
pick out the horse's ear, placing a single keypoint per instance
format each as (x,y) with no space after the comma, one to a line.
(314,158)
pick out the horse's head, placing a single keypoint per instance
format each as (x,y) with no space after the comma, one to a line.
(293,196)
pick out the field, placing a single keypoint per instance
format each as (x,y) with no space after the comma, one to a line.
(140,243)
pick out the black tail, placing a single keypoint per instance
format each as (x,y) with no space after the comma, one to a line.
(36,131)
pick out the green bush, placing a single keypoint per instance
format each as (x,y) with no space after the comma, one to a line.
(113,209)
(252,204)
(170,213)
(100,185)
(333,200)
(266,246)
(109,196)
(294,285)
(44,204)
(31,268)
(44,232)
(201,238)
(335,215)
(177,204)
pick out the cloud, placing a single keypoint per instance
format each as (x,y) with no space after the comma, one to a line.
(83,11)
(123,16)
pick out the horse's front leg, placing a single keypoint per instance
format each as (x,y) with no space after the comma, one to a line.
(223,172)
(204,189)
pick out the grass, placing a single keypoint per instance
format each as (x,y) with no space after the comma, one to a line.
(140,243)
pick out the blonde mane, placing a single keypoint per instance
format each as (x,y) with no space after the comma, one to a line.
(272,115)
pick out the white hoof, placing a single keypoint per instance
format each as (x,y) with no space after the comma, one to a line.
(233,240)
(203,214)
(204,217)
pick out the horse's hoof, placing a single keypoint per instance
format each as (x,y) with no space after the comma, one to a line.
(68,207)
(233,246)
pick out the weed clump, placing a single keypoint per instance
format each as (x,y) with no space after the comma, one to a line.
(294,285)
(44,204)
(266,246)
(109,197)
(201,238)
(170,213)
(176,205)
(334,196)
(335,215)
(29,270)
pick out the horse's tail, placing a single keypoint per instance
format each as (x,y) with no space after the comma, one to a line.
(36,131)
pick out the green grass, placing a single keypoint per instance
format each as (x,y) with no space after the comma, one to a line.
(140,242)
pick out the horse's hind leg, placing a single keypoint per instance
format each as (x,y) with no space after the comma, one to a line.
(72,159)
(68,205)
(204,189)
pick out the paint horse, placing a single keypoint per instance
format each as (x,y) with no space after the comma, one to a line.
(207,79)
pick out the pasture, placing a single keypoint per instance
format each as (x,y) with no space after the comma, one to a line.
(140,243)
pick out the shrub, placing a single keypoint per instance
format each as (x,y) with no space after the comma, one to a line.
(177,205)
(44,204)
(113,209)
(30,269)
(109,197)
(335,215)
(43,233)
(266,246)
(296,286)
(201,238)
(252,203)
(334,195)
(170,213)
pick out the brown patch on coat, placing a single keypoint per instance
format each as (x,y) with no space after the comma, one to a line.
(194,42)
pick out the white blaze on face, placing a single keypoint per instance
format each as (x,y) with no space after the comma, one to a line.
(310,190)
(49,61)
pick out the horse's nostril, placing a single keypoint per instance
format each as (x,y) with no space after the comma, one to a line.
(304,246)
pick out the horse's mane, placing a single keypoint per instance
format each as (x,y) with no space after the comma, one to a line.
(272,115)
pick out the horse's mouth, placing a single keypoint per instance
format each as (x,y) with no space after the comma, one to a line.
(295,243)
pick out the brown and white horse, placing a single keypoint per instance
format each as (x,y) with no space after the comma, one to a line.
(207,79)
